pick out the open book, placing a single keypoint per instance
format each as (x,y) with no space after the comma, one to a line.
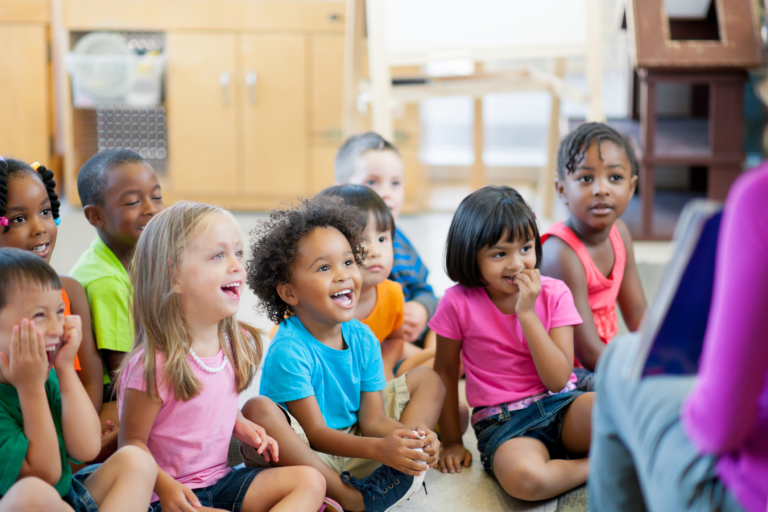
(672,335)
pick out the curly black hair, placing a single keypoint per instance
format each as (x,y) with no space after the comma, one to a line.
(10,167)
(276,241)
(575,145)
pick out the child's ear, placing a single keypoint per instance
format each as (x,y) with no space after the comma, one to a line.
(177,286)
(560,189)
(95,215)
(287,293)
(632,186)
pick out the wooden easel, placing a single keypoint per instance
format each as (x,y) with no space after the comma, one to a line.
(372,15)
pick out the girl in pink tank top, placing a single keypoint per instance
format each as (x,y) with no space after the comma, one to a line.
(592,250)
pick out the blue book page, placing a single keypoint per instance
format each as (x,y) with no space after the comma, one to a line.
(678,343)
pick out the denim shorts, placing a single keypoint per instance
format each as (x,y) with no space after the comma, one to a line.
(228,493)
(79,498)
(541,420)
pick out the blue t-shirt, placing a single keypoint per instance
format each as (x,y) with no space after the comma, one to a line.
(298,366)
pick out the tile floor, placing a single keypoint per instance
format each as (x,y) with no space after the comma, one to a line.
(473,489)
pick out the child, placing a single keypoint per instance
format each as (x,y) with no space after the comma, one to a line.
(368,159)
(29,219)
(178,388)
(46,416)
(514,330)
(325,368)
(380,306)
(592,250)
(120,194)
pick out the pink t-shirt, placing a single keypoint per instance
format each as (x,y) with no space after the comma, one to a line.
(497,360)
(190,440)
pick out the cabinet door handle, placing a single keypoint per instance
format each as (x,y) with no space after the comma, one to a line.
(250,81)
(224,81)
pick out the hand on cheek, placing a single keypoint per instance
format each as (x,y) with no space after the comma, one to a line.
(26,364)
(70,342)
(414,320)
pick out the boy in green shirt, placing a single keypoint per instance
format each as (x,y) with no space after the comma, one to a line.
(120,194)
(46,417)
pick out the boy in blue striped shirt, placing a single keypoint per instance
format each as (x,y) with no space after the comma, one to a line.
(369,159)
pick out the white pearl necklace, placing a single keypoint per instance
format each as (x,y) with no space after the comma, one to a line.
(204,366)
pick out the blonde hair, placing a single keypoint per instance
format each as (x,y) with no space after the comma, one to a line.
(159,323)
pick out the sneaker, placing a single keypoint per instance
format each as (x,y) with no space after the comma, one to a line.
(385,488)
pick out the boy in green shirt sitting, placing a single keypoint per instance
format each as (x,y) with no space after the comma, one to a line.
(120,194)
(46,417)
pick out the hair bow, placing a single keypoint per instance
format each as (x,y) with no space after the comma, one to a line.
(36,165)
(3,221)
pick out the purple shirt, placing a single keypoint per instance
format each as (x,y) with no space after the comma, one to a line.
(497,360)
(726,414)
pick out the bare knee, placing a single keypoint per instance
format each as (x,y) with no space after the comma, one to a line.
(311,478)
(263,411)
(134,462)
(422,377)
(523,480)
(31,495)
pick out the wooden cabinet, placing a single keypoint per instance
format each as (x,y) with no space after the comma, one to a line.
(250,87)
(25,88)
(237,116)
(202,114)
(274,107)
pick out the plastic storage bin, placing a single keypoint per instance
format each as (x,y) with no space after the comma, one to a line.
(105,71)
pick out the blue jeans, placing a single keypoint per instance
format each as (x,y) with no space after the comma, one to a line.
(79,498)
(542,420)
(640,457)
(228,493)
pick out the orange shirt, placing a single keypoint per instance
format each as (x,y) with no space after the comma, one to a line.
(387,314)
(67,312)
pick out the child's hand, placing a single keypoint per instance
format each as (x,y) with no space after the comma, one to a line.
(397,451)
(26,365)
(529,282)
(414,320)
(251,433)
(431,444)
(70,342)
(453,456)
(176,497)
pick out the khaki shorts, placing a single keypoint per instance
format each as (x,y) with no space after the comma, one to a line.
(396,397)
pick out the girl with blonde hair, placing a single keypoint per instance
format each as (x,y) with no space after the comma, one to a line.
(178,388)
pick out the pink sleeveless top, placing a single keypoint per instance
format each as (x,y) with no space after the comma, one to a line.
(603,291)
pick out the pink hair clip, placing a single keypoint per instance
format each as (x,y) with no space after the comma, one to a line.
(3,221)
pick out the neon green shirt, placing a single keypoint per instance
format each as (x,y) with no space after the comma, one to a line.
(110,297)
(14,444)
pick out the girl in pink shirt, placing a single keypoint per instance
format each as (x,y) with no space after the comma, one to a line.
(179,387)
(514,330)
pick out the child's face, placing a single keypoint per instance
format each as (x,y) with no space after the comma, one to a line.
(598,191)
(325,280)
(43,306)
(501,262)
(383,172)
(31,223)
(212,273)
(131,198)
(379,254)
